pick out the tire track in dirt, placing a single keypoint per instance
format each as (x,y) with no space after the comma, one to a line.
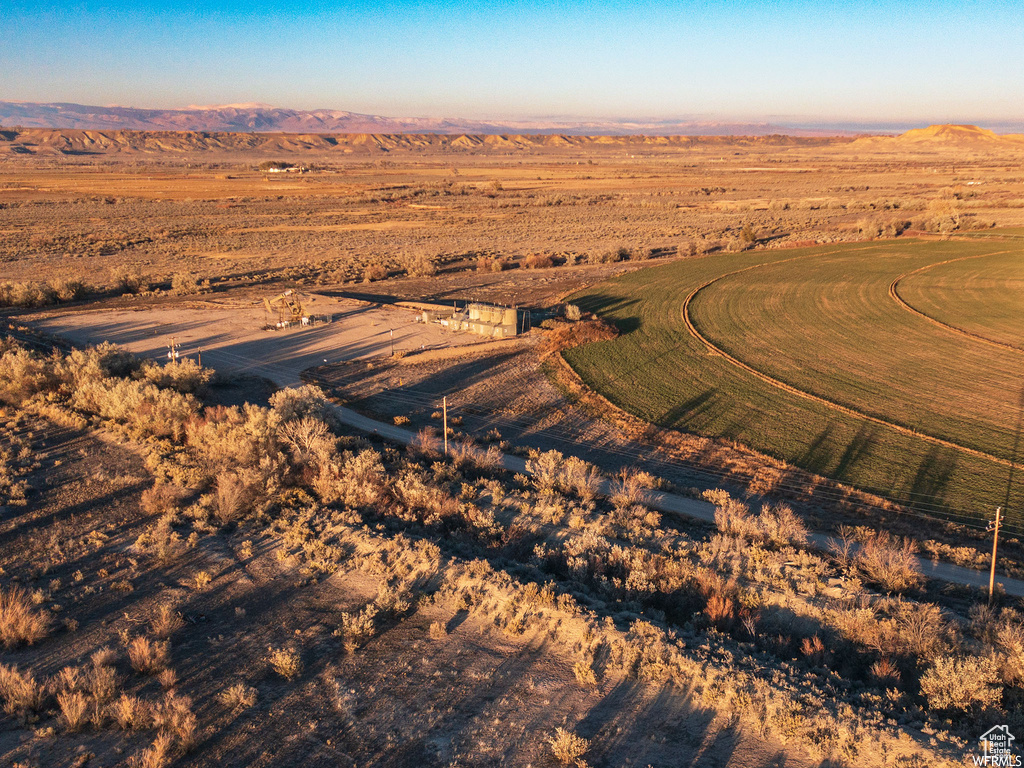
(895,296)
(789,388)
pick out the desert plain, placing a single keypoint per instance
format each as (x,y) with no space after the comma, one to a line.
(199,553)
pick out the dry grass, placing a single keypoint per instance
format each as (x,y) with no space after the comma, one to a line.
(173,716)
(166,622)
(103,657)
(238,697)
(102,683)
(167,678)
(567,747)
(888,561)
(131,713)
(286,662)
(358,628)
(159,755)
(584,673)
(21,623)
(20,692)
(233,495)
(74,710)
(148,656)
(720,610)
(627,489)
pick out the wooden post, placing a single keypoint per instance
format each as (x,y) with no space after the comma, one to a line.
(444,406)
(994,527)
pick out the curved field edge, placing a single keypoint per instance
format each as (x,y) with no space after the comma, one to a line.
(980,296)
(658,371)
(829,328)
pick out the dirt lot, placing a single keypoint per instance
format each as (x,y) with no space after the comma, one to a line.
(231,336)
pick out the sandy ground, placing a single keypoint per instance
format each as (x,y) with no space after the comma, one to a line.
(475,697)
(231,338)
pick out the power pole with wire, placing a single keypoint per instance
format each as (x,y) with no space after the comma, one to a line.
(444,406)
(994,527)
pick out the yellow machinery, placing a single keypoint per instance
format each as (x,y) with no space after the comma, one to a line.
(288,309)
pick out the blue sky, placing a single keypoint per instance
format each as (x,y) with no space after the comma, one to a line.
(857,61)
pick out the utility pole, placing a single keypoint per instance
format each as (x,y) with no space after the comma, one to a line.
(994,527)
(392,342)
(173,353)
(200,357)
(444,406)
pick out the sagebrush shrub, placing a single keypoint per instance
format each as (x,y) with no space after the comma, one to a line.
(584,673)
(293,403)
(232,438)
(567,747)
(358,628)
(166,621)
(19,691)
(21,623)
(131,713)
(174,717)
(538,261)
(546,469)
(184,284)
(142,408)
(286,662)
(23,374)
(889,561)
(238,697)
(148,656)
(183,375)
(74,709)
(961,683)
(161,499)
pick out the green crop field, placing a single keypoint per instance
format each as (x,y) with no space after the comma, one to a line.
(894,366)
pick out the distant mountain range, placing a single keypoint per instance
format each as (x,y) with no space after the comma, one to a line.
(78,141)
(262,118)
(74,129)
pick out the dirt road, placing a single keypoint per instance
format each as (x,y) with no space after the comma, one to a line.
(698,510)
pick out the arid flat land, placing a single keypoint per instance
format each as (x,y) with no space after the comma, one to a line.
(193,572)
(208,211)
